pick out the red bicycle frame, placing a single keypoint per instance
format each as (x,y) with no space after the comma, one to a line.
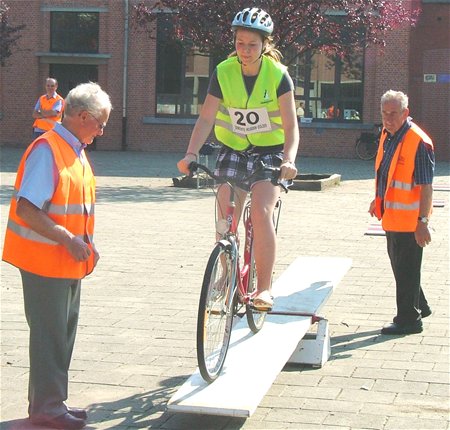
(243,273)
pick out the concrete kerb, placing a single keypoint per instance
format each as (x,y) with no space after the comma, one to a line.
(136,340)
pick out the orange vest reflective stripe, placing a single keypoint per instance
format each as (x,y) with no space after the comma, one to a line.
(72,206)
(402,196)
(47,104)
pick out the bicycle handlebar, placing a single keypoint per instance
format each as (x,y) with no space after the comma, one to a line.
(276,171)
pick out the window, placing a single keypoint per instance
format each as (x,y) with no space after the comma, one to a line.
(329,89)
(74,32)
(70,75)
(182,74)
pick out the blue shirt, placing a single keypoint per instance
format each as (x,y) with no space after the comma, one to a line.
(41,176)
(423,163)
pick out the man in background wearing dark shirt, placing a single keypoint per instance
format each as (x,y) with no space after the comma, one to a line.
(404,170)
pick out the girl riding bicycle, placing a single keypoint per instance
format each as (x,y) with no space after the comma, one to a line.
(250,103)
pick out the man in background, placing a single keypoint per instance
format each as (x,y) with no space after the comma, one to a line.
(48,109)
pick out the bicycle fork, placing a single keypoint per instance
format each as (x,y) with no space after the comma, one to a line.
(231,249)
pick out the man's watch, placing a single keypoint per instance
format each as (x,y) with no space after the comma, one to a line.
(423,219)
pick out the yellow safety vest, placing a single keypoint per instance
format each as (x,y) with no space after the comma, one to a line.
(239,132)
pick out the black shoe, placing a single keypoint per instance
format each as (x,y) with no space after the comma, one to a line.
(395,328)
(426,312)
(65,421)
(78,413)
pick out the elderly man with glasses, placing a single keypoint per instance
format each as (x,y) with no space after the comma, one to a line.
(49,238)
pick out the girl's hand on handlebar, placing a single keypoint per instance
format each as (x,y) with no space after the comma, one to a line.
(183,165)
(288,170)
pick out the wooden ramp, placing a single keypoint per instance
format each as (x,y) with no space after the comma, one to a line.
(255,360)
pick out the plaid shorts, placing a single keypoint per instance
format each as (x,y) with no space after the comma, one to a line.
(236,166)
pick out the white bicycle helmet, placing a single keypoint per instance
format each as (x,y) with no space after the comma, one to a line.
(254,19)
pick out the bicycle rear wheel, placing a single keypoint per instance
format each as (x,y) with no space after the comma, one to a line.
(215,312)
(255,319)
(365,149)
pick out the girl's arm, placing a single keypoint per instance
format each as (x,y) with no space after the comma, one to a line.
(202,129)
(291,133)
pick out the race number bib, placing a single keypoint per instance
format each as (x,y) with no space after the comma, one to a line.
(248,121)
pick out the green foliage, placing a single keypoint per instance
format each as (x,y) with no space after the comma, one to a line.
(9,34)
(333,26)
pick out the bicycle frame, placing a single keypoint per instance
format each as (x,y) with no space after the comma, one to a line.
(241,274)
(229,283)
(245,271)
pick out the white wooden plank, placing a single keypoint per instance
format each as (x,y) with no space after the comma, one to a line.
(250,369)
(254,360)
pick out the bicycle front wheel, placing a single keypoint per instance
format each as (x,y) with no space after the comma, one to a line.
(215,312)
(366,150)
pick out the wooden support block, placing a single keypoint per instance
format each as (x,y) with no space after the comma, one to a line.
(314,348)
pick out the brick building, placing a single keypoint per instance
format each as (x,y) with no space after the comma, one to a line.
(157,88)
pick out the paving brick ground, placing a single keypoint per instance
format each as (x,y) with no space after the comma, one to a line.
(136,339)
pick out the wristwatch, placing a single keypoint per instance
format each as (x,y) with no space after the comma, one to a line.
(423,219)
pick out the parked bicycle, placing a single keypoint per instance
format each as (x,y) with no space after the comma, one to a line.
(227,284)
(367,143)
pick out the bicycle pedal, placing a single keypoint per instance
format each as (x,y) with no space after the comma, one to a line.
(261,311)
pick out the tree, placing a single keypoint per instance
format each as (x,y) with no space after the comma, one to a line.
(336,27)
(9,34)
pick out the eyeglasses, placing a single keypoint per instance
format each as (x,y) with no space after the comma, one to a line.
(100,125)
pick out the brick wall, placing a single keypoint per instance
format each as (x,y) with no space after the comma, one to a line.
(395,66)
(430,102)
(21,81)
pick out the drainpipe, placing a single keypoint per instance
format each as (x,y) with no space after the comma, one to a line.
(125,78)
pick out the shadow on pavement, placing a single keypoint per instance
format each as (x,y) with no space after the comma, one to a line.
(342,345)
(142,194)
(144,410)
(352,341)
(135,194)
(163,165)
(148,410)
(6,191)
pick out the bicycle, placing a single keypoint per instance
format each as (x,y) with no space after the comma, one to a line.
(366,146)
(227,286)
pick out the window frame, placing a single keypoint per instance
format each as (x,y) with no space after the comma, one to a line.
(337,98)
(187,102)
(55,33)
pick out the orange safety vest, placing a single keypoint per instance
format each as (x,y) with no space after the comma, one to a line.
(71,206)
(402,196)
(47,104)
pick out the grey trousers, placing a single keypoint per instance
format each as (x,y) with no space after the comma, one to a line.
(51,309)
